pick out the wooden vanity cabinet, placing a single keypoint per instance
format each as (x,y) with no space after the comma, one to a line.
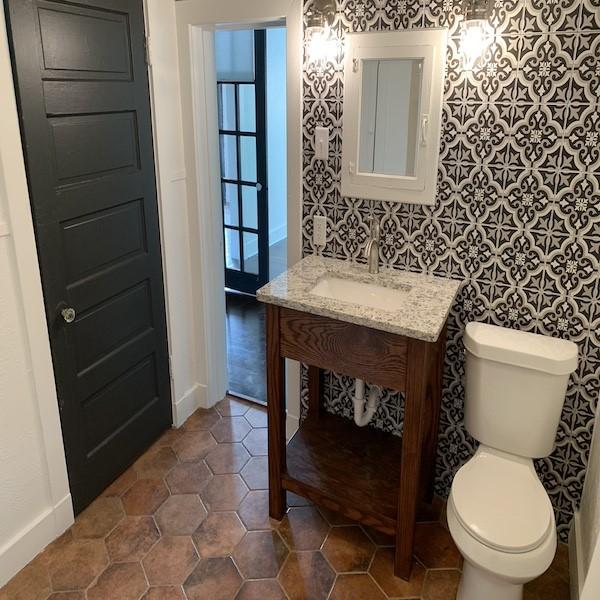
(366,474)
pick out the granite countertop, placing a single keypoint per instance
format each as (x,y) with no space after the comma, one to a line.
(421,316)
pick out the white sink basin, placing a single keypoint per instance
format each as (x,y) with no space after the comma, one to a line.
(360,292)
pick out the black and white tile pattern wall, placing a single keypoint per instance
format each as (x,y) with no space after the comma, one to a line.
(518,210)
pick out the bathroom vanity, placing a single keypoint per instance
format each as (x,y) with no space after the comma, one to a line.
(388,329)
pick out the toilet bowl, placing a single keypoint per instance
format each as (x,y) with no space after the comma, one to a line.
(502,522)
(499,514)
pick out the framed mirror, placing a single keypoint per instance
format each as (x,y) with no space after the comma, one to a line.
(392,114)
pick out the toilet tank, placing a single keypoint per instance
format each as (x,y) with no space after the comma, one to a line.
(515,385)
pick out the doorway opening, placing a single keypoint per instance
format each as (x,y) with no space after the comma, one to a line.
(251,94)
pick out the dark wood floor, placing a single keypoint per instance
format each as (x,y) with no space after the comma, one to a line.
(246,346)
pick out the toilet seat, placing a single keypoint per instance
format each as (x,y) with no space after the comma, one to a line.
(499,500)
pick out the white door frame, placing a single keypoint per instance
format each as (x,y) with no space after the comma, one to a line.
(196,22)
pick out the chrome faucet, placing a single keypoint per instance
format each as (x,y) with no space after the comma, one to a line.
(372,249)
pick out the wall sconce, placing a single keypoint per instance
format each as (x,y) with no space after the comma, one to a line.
(476,32)
(322,45)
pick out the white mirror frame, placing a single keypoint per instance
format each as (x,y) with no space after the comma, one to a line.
(430,46)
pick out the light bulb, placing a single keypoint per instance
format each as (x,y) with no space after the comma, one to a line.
(322,45)
(475,36)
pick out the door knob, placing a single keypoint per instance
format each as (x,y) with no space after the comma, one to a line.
(68,314)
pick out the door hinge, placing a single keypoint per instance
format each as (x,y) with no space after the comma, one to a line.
(147,49)
(170,367)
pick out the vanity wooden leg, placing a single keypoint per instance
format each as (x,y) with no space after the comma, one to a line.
(315,391)
(432,418)
(417,382)
(276,415)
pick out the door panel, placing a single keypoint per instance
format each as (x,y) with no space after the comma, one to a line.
(115,146)
(115,404)
(110,325)
(82,88)
(79,42)
(127,227)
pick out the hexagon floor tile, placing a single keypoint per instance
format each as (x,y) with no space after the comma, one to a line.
(170,561)
(120,580)
(231,429)
(348,549)
(260,555)
(304,528)
(219,534)
(307,575)
(213,578)
(256,473)
(180,514)
(190,520)
(227,458)
(132,538)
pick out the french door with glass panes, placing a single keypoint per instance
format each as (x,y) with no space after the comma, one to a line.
(243,148)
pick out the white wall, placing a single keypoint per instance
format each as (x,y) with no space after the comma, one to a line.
(196,20)
(35,503)
(276,134)
(188,381)
(586,546)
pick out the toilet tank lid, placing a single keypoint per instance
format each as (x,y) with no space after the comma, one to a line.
(521,348)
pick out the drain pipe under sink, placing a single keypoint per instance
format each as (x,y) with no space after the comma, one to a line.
(362,414)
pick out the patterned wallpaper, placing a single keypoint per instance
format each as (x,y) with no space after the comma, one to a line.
(517,216)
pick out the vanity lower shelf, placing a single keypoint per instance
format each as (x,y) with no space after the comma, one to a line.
(352,470)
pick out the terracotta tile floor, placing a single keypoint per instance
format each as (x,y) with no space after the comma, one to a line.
(190,520)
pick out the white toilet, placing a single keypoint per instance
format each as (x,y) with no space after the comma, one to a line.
(499,514)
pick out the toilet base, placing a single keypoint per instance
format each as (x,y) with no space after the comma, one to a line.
(477,584)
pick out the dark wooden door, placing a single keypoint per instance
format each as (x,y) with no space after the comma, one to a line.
(244,192)
(83,96)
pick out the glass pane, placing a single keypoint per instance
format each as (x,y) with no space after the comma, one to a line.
(228,157)
(232,249)
(234,55)
(227,106)
(248,158)
(247,108)
(250,253)
(249,207)
(389,116)
(230,204)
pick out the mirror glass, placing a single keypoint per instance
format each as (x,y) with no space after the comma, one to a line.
(389,116)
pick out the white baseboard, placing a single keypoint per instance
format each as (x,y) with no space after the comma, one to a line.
(251,248)
(195,397)
(577,576)
(63,514)
(278,234)
(291,426)
(31,540)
